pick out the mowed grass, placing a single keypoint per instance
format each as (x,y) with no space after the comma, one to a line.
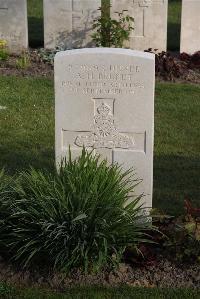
(100,293)
(27,125)
(27,135)
(36,33)
(177,146)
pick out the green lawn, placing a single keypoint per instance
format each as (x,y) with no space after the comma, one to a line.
(99,293)
(27,134)
(35,19)
(27,126)
(177,146)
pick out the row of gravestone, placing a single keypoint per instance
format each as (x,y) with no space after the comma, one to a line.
(67,23)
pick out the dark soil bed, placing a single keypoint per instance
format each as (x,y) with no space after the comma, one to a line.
(169,67)
(162,274)
(36,68)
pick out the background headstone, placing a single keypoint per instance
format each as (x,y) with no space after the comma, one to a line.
(150,22)
(68,23)
(105,100)
(13,24)
(190,26)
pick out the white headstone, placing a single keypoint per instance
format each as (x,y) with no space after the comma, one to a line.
(68,23)
(150,22)
(190,26)
(105,101)
(13,24)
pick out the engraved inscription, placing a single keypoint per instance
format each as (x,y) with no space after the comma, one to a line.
(103,79)
(104,134)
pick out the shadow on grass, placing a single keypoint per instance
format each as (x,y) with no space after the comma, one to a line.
(36,32)
(20,158)
(175,178)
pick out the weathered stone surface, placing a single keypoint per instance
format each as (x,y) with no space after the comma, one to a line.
(190,26)
(105,101)
(13,24)
(150,22)
(68,23)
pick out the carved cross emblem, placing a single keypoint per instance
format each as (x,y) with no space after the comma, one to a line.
(104,136)
(144,3)
(104,133)
(80,17)
(140,17)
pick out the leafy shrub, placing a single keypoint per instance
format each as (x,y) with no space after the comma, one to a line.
(192,60)
(168,66)
(47,55)
(181,236)
(112,32)
(81,216)
(5,194)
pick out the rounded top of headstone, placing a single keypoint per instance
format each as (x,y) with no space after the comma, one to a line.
(118,51)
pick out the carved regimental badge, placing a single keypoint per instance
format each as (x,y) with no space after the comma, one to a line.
(104,133)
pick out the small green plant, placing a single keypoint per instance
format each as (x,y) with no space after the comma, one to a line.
(3,50)
(79,217)
(6,290)
(23,62)
(47,55)
(112,32)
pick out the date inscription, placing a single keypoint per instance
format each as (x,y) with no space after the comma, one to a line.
(102,79)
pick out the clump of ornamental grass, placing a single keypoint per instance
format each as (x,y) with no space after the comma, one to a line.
(81,216)
(5,195)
